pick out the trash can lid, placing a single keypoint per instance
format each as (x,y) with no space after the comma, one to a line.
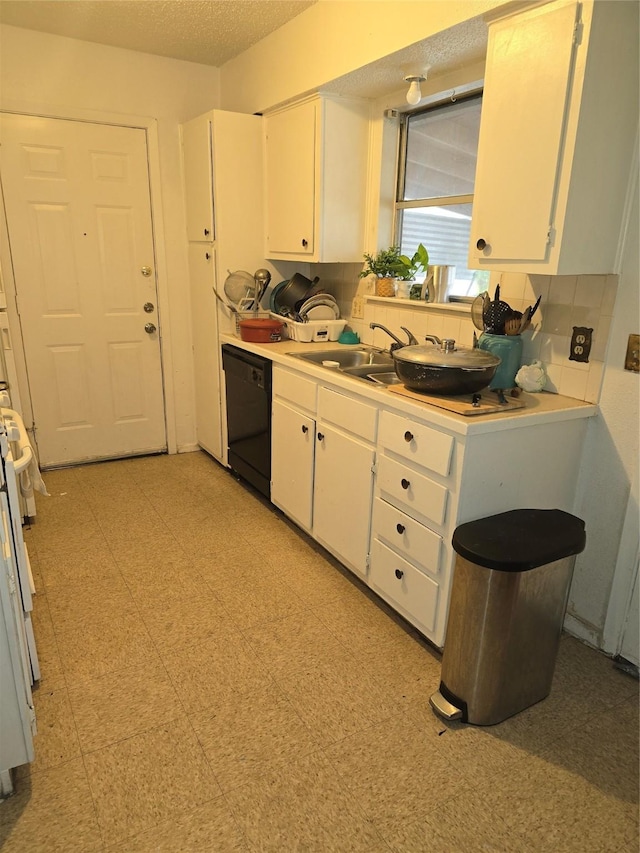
(521,539)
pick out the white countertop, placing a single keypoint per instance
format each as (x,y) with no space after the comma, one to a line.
(540,408)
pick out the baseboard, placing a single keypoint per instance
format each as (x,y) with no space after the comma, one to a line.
(583,631)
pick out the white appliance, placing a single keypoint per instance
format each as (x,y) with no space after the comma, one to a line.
(19,667)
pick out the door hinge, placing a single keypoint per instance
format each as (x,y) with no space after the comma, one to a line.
(374,469)
(577,32)
(367,562)
(551,236)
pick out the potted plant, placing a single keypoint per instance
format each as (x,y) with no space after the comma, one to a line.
(412,267)
(386,265)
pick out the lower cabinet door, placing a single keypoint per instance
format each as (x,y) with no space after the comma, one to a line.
(292,452)
(342,496)
(406,588)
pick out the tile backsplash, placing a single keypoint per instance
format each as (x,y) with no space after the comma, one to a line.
(567,301)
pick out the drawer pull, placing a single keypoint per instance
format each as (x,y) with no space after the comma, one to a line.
(400,528)
(320,436)
(405,483)
(408,436)
(305,243)
(399,574)
(305,428)
(206,232)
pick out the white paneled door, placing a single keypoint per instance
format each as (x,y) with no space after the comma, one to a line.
(79,220)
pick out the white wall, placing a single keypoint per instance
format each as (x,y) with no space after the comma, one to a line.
(59,77)
(609,474)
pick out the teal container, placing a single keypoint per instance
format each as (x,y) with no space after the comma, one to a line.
(508,348)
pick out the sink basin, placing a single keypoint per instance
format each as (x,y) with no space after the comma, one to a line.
(374,372)
(348,358)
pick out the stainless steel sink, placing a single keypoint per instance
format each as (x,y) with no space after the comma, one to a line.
(373,371)
(363,363)
(348,358)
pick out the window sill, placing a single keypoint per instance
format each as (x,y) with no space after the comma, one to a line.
(462,308)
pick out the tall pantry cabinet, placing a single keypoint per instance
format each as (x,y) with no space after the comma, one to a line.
(222,154)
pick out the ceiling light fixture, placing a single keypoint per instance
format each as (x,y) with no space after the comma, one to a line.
(414,95)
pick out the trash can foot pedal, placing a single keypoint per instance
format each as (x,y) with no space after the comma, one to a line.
(444,708)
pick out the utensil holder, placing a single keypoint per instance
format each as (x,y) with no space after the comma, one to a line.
(508,348)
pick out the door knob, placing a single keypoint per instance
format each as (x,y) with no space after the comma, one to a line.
(146,271)
(148,307)
(149,328)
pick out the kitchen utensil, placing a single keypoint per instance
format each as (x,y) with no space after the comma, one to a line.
(513,323)
(274,294)
(525,320)
(508,349)
(262,278)
(239,285)
(496,314)
(535,306)
(263,331)
(295,290)
(477,311)
(445,368)
(318,312)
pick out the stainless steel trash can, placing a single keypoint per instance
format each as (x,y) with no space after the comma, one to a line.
(508,601)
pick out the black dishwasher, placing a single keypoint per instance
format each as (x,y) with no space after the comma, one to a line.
(248,385)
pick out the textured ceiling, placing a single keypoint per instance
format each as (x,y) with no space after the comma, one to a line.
(207,31)
(443,53)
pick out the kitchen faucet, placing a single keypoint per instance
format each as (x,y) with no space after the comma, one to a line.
(397,343)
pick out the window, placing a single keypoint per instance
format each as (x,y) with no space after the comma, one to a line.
(438,148)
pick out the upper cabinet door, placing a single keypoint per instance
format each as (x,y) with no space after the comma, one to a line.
(523,112)
(198,179)
(290,160)
(557,135)
(316,161)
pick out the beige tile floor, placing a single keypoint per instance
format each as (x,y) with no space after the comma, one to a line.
(212,681)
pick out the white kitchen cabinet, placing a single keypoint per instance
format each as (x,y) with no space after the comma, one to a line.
(389,487)
(316,155)
(206,361)
(293,438)
(559,118)
(198,178)
(322,458)
(222,160)
(342,496)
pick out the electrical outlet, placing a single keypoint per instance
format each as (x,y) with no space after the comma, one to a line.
(357,308)
(632,359)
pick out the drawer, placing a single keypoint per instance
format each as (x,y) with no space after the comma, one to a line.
(407,536)
(404,586)
(417,442)
(412,490)
(295,388)
(349,413)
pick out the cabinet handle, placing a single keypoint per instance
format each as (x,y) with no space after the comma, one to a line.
(408,436)
(305,428)
(207,256)
(320,436)
(400,528)
(206,232)
(481,244)
(399,574)
(304,243)
(405,483)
